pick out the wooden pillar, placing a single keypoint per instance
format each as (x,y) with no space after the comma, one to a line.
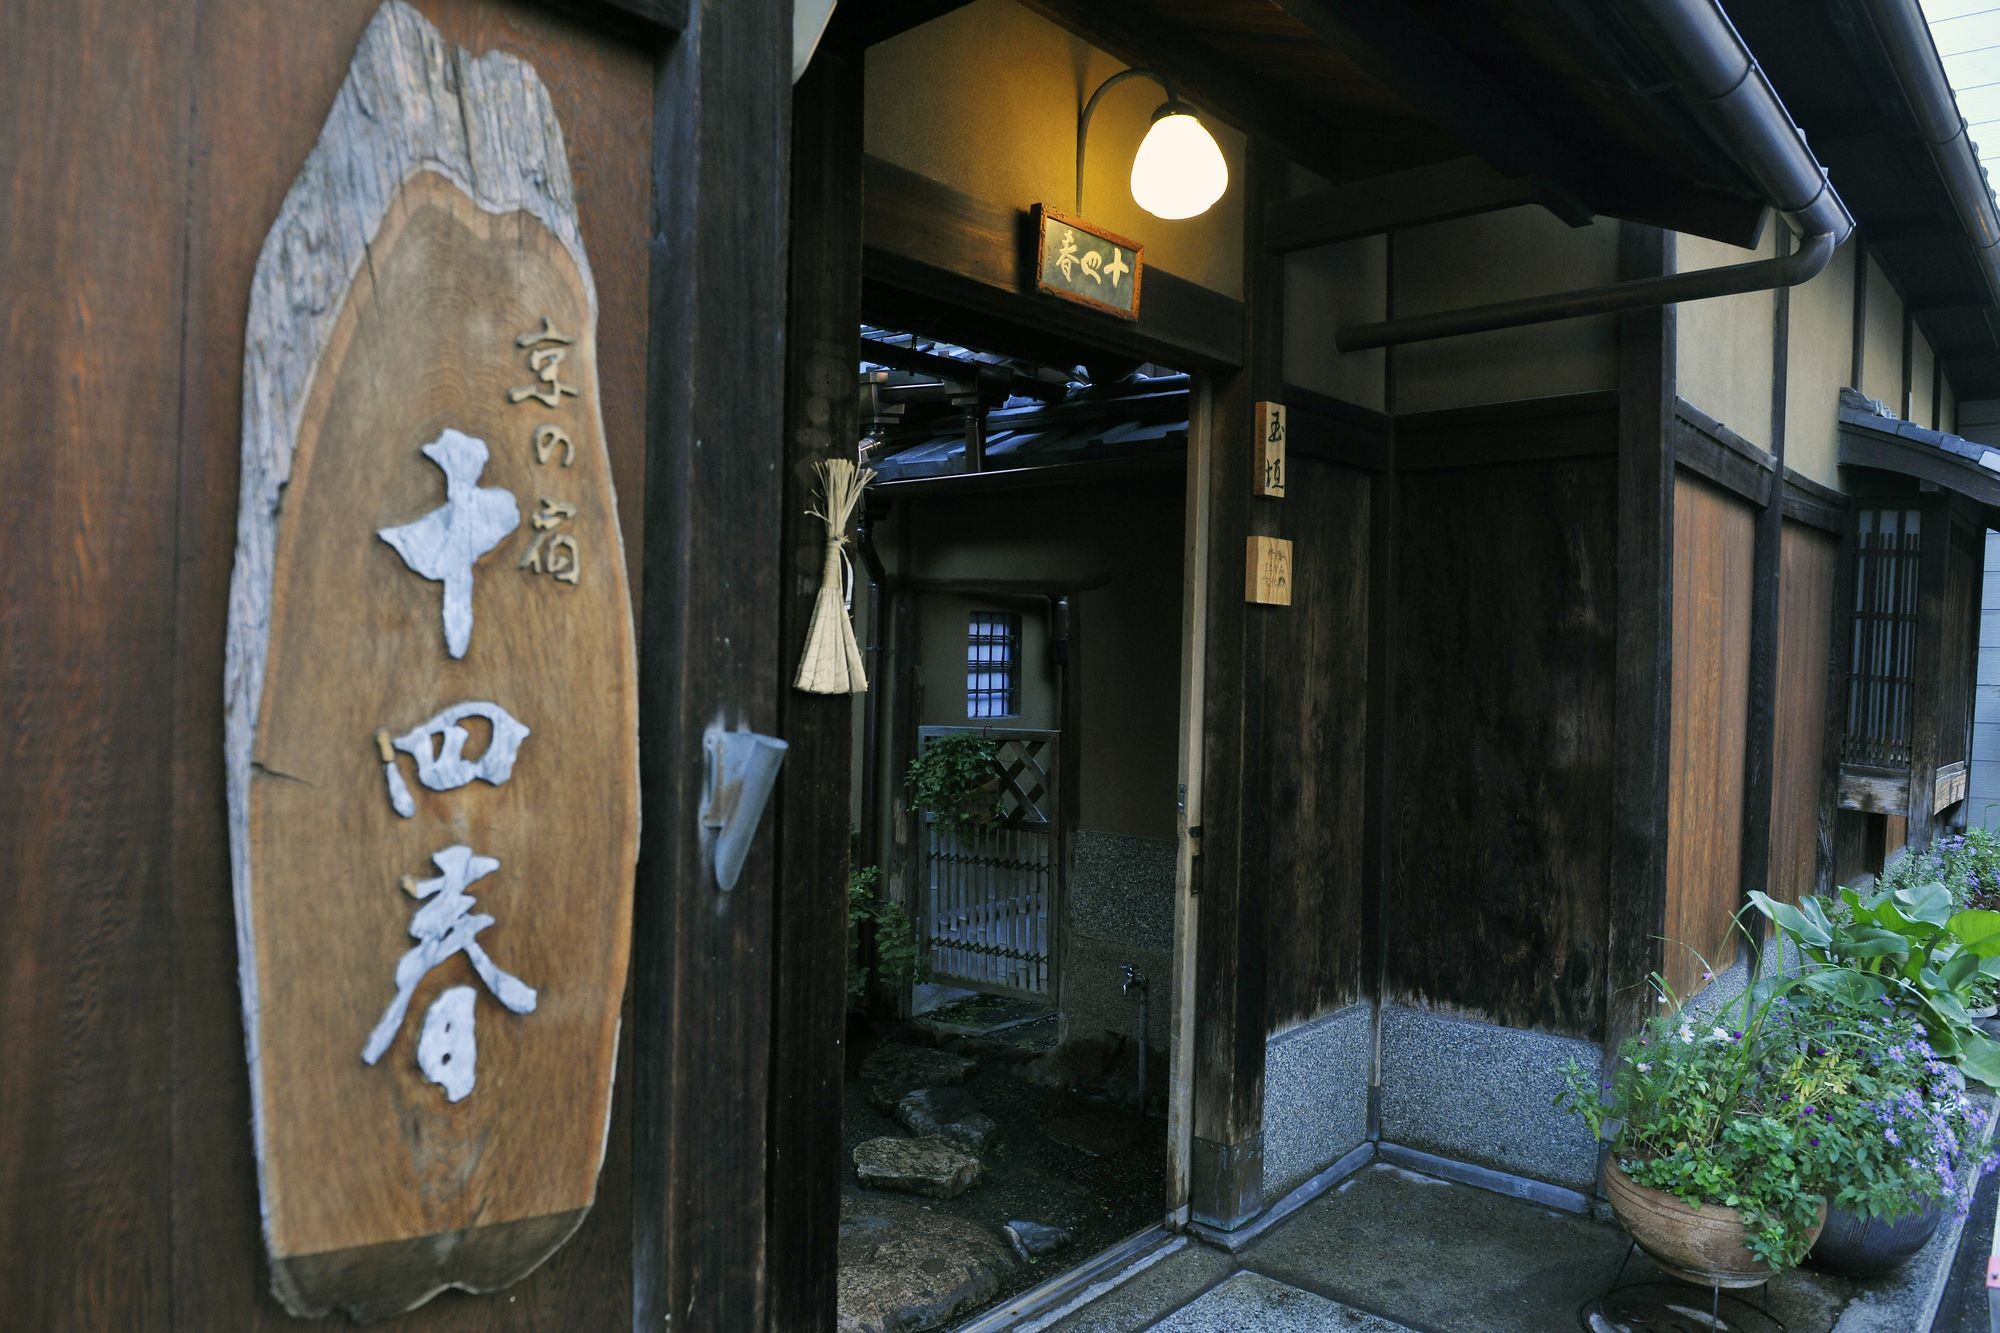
(709,652)
(1227,1154)
(822,421)
(1928,668)
(1644,637)
(1766,592)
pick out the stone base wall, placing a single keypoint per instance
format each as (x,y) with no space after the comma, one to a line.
(1315,1095)
(1119,910)
(1479,1093)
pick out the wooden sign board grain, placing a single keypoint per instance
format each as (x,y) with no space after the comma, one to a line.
(1269,455)
(1268,572)
(426,277)
(1082,262)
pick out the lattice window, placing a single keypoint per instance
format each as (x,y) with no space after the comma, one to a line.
(1882,638)
(993,664)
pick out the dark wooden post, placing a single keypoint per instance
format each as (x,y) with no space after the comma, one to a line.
(1644,637)
(822,421)
(1767,569)
(709,652)
(1227,1157)
(1928,666)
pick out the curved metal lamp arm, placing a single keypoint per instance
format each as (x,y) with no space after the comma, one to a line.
(1090,109)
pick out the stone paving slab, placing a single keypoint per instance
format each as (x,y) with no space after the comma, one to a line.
(1250,1303)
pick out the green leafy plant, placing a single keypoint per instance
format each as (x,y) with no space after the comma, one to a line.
(1907,947)
(1706,1109)
(899,959)
(956,782)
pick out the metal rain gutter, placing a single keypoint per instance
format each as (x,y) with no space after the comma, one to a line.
(1736,101)
(1913,59)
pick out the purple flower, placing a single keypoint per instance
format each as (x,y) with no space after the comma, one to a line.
(1891,1135)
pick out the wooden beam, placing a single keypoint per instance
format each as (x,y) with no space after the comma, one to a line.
(1760,725)
(1928,666)
(1133,32)
(1410,54)
(863,23)
(968,257)
(1433,193)
(1822,507)
(1705,446)
(1227,1152)
(1645,637)
(822,421)
(1835,722)
(709,651)
(1577,425)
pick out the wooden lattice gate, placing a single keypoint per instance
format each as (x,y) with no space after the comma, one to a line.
(988,897)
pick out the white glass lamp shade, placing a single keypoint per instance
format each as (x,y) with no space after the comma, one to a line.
(1179,171)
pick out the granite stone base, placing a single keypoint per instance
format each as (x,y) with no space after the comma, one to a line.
(1485,1094)
(1315,1095)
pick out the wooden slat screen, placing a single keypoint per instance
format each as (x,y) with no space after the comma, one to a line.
(1882,639)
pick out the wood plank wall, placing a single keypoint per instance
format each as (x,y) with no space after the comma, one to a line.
(1498,898)
(1714,536)
(1805,630)
(1311,760)
(149,148)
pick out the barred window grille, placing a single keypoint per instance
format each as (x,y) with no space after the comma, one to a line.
(993,664)
(1882,639)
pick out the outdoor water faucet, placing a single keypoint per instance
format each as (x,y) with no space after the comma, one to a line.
(1134,980)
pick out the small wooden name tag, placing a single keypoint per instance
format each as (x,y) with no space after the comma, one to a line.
(1082,262)
(1268,572)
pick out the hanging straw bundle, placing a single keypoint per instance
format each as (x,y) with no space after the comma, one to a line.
(832,660)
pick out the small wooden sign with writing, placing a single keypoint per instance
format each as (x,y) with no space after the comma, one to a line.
(1082,262)
(1270,451)
(1268,572)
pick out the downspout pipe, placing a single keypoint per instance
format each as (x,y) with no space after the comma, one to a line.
(1740,108)
(1912,56)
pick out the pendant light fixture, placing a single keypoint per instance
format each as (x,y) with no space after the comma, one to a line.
(1179,171)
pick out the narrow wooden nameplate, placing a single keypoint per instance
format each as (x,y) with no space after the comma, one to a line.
(431,698)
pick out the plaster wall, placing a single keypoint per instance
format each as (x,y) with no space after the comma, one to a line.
(1820,357)
(1923,364)
(1882,352)
(1326,288)
(985,99)
(1495,257)
(1723,347)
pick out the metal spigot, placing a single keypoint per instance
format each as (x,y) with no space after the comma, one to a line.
(1134,980)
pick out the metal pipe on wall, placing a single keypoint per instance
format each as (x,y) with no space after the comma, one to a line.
(1735,99)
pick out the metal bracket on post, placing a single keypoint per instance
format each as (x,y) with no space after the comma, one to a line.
(742,769)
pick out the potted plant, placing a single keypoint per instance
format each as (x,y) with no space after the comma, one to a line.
(1908,947)
(956,782)
(1713,1170)
(1901,1143)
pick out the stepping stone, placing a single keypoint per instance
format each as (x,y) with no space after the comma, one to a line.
(904,1268)
(932,1166)
(949,1113)
(1031,1240)
(891,1073)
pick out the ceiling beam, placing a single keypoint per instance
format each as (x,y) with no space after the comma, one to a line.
(1434,193)
(863,23)
(1423,67)
(1213,83)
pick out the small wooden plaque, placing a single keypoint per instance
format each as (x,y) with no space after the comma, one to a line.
(1270,451)
(1082,262)
(1268,572)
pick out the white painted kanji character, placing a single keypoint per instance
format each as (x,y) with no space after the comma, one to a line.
(444,544)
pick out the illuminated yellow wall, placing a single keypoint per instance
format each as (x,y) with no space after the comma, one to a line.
(985,100)
(1820,341)
(1724,346)
(1882,354)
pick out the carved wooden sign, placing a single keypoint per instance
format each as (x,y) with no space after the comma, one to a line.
(1267,569)
(1082,262)
(1269,455)
(431,694)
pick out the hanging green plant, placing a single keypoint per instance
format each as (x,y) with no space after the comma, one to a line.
(956,781)
(898,957)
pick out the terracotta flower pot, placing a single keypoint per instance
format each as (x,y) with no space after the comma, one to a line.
(1700,1245)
